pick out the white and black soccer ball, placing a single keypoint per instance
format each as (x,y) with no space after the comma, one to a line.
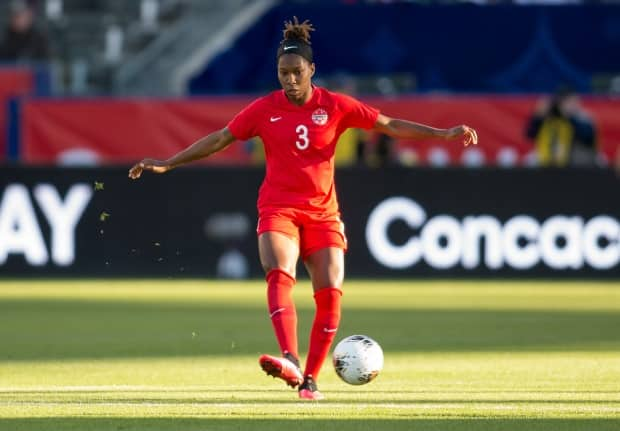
(358,359)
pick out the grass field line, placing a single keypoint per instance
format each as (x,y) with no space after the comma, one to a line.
(198,389)
(490,405)
(241,405)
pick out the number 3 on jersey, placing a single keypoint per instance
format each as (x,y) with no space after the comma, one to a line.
(302,133)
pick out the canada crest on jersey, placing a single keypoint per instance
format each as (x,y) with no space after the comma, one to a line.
(319,116)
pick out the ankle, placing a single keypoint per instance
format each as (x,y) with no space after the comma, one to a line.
(309,383)
(292,358)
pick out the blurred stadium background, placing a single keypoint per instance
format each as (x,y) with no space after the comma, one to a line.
(99,84)
(120,80)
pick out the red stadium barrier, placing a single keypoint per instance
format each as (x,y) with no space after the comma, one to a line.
(14,81)
(121,131)
(499,120)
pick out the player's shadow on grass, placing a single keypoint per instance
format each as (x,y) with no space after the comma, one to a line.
(308,423)
(63,329)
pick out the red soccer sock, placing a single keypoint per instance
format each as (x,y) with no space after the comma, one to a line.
(324,328)
(282,310)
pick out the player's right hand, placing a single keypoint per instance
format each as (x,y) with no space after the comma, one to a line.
(157,166)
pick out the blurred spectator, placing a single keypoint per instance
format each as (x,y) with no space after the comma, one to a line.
(375,150)
(564,134)
(384,152)
(22,40)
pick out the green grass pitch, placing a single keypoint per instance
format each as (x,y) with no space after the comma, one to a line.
(182,355)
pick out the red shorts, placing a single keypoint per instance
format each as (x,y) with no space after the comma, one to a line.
(313,231)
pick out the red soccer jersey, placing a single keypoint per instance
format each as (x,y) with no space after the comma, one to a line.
(300,142)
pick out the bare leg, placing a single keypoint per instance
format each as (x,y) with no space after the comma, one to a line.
(326,268)
(278,251)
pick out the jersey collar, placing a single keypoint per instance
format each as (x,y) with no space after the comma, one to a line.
(308,105)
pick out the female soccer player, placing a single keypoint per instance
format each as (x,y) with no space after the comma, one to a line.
(297,206)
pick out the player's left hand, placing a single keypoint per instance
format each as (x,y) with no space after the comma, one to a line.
(469,134)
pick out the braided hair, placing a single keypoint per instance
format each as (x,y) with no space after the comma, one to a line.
(298,31)
(296,39)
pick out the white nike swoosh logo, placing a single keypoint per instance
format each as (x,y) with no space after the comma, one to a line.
(274,119)
(279,310)
(286,48)
(329,330)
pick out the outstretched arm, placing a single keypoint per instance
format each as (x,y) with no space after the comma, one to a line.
(403,129)
(203,147)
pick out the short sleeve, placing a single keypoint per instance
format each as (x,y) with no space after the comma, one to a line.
(244,125)
(358,114)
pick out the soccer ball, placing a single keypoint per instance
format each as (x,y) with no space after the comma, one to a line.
(358,359)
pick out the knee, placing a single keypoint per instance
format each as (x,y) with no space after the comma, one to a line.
(335,276)
(335,283)
(329,279)
(267,268)
(337,280)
